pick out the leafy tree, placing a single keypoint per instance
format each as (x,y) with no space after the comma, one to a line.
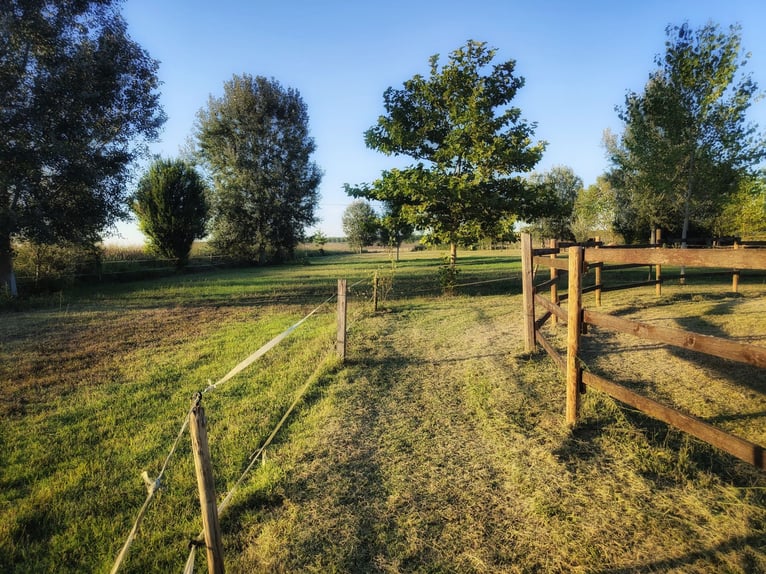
(319,239)
(255,142)
(745,214)
(594,210)
(687,140)
(360,224)
(394,228)
(469,145)
(560,187)
(79,101)
(171,208)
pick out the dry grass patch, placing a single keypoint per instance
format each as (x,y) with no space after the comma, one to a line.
(443,448)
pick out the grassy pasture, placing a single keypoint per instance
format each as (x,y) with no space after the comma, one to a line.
(439,446)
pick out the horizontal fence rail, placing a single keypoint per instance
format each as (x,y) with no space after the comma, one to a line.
(578,261)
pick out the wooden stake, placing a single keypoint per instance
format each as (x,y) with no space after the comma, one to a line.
(598,278)
(735,274)
(574,327)
(340,344)
(554,275)
(658,267)
(205,484)
(375,292)
(528,291)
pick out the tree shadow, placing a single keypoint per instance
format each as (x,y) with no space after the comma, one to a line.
(709,555)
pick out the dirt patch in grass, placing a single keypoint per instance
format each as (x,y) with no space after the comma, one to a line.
(45,356)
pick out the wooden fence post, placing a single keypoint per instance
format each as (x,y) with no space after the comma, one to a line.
(598,276)
(375,292)
(735,273)
(658,267)
(554,243)
(205,484)
(340,344)
(574,326)
(528,292)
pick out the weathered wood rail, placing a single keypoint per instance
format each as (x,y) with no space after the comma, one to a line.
(581,258)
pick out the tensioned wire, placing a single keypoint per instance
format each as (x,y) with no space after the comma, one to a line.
(153,486)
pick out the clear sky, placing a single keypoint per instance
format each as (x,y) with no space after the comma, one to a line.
(578,59)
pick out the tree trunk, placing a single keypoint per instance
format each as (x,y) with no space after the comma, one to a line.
(687,213)
(7,277)
(452,254)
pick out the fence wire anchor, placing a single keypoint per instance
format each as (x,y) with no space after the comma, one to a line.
(151,485)
(197,542)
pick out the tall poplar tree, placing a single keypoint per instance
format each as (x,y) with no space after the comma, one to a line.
(79,101)
(687,140)
(255,143)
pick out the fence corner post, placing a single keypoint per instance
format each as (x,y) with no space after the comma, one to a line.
(574,327)
(528,292)
(340,344)
(204,470)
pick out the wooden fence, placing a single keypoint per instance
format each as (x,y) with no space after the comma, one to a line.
(577,263)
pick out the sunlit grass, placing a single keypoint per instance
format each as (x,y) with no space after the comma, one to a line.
(439,446)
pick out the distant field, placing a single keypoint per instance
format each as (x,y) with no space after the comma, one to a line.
(438,446)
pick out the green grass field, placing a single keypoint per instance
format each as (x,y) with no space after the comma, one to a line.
(439,446)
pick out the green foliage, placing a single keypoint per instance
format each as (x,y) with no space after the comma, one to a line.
(687,140)
(560,188)
(54,266)
(744,215)
(468,142)
(171,208)
(594,210)
(319,239)
(448,275)
(360,224)
(80,99)
(255,142)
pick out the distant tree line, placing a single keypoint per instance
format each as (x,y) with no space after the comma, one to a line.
(363,226)
(80,103)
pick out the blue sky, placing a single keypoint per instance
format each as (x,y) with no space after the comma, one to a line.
(578,60)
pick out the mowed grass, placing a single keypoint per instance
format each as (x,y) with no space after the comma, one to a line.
(439,445)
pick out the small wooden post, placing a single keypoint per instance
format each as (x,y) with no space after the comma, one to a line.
(735,273)
(598,276)
(528,292)
(658,267)
(375,292)
(340,344)
(574,326)
(204,470)
(554,275)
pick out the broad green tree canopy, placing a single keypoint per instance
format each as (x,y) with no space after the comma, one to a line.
(468,142)
(79,102)
(360,224)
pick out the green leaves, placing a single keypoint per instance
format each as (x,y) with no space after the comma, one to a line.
(470,145)
(171,208)
(687,140)
(255,143)
(80,100)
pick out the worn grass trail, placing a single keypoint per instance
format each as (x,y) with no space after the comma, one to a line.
(441,448)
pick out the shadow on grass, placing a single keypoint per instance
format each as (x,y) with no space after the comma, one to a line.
(749,563)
